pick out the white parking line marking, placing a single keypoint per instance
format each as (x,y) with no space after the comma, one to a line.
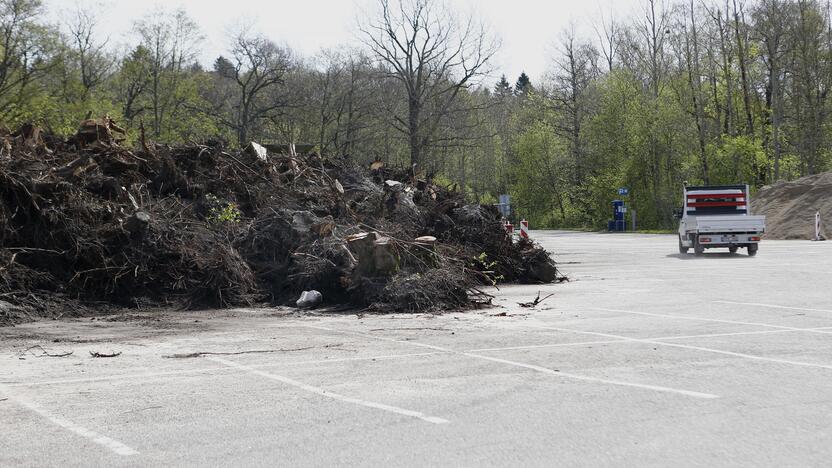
(594,379)
(773,306)
(551,345)
(144,375)
(333,395)
(528,366)
(113,445)
(697,348)
(758,332)
(703,319)
(382,357)
(683,337)
(107,378)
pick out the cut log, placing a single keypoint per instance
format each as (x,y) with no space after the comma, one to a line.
(376,254)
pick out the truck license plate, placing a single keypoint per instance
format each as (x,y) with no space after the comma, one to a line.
(730,238)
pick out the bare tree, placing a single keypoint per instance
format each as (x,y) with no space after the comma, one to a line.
(346,98)
(691,61)
(133,82)
(574,72)
(654,66)
(655,30)
(172,42)
(770,19)
(608,37)
(434,56)
(720,20)
(257,68)
(88,52)
(742,45)
(812,76)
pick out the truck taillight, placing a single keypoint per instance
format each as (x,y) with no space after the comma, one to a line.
(755,238)
(704,240)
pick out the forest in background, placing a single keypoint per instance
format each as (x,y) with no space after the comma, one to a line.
(714,92)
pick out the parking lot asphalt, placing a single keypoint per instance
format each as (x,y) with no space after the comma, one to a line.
(646,357)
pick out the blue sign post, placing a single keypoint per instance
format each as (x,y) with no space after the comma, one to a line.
(619,209)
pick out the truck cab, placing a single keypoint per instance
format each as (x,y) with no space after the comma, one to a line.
(717,216)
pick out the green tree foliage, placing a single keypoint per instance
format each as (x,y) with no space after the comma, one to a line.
(170,46)
(541,175)
(28,53)
(699,92)
(503,88)
(692,93)
(131,84)
(523,85)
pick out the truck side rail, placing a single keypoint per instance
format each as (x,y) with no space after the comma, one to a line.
(715,187)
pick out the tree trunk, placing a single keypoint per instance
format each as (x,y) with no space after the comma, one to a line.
(728,126)
(157,124)
(696,93)
(743,73)
(774,108)
(413,128)
(242,125)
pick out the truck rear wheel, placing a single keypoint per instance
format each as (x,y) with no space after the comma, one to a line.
(698,249)
(752,249)
(682,248)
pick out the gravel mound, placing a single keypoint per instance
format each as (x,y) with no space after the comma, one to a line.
(790,207)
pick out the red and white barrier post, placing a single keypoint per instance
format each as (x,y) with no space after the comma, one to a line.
(524,229)
(817,226)
(509,228)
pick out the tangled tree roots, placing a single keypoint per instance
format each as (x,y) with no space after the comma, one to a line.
(89,221)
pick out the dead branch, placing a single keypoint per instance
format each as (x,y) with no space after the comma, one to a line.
(44,352)
(233,353)
(537,300)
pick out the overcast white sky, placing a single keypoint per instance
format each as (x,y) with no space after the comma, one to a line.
(528,28)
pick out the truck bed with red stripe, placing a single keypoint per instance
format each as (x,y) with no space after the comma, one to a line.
(718,216)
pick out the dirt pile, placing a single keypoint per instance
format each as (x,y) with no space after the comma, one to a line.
(790,207)
(88,221)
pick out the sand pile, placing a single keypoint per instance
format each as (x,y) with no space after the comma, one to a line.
(790,207)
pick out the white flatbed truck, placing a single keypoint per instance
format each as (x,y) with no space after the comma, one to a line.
(718,216)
